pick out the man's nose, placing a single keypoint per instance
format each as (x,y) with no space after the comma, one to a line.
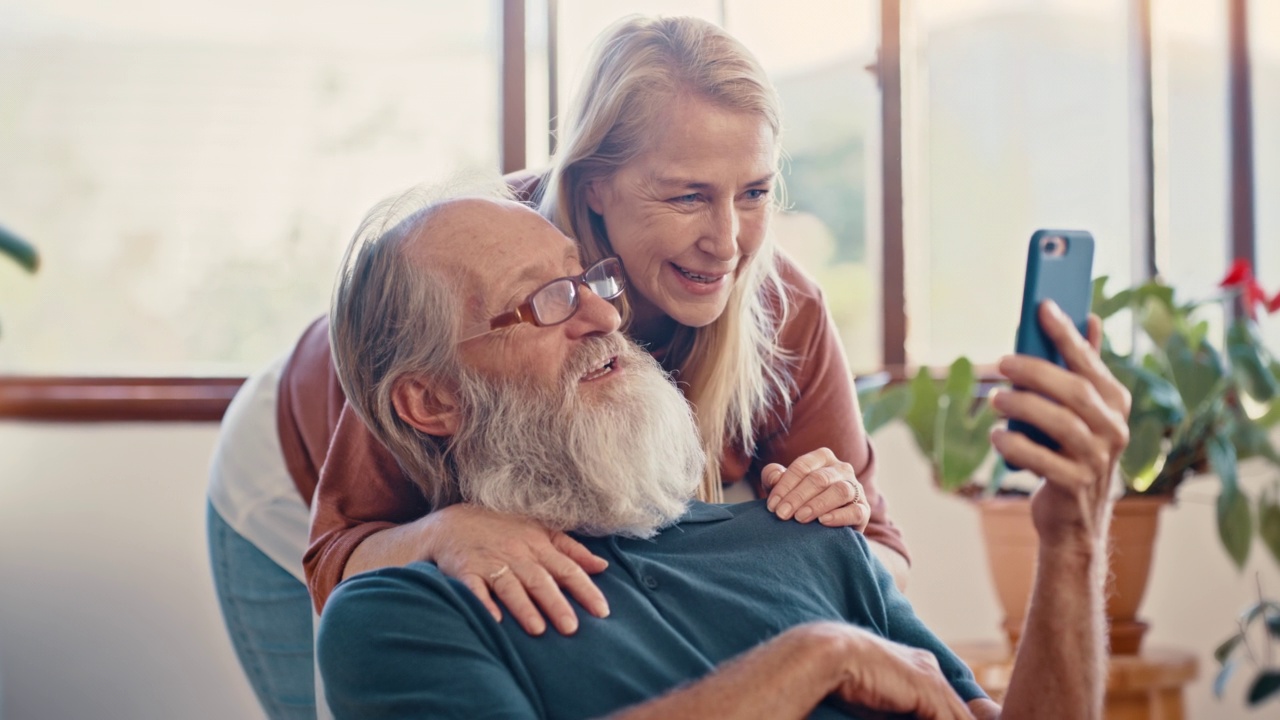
(595,316)
(720,236)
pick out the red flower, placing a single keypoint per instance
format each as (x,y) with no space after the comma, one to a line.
(1252,295)
(1241,272)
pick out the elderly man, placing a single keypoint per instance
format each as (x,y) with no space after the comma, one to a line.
(471,340)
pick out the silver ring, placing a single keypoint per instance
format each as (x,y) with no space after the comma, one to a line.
(493,576)
(857,493)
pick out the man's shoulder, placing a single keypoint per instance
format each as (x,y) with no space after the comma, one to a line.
(418,588)
(750,525)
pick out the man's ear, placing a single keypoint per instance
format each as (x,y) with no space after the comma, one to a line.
(427,406)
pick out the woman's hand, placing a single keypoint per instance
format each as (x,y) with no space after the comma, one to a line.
(524,564)
(817,485)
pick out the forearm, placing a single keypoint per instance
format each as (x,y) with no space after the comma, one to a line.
(1063,638)
(893,561)
(392,547)
(784,678)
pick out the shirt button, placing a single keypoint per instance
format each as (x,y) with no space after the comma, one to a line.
(650,582)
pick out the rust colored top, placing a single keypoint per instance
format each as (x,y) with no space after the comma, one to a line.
(356,488)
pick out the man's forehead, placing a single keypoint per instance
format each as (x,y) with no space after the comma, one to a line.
(480,230)
(491,246)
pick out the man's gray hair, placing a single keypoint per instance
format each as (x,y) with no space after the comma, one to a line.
(391,318)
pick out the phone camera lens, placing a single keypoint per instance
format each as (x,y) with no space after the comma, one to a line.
(1054,246)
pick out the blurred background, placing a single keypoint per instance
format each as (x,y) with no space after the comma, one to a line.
(191,172)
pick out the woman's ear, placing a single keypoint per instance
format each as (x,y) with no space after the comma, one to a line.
(593,196)
(427,406)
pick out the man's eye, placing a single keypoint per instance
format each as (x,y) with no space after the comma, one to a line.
(686,199)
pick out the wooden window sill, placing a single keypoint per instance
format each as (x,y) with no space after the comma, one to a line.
(115,399)
(45,398)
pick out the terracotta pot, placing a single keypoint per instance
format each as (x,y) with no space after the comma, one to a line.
(1011,554)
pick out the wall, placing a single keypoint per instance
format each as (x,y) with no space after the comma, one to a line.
(107,610)
(106,603)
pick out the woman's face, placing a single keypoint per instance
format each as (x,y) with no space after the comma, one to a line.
(689,212)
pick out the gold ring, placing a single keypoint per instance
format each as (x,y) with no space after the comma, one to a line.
(493,576)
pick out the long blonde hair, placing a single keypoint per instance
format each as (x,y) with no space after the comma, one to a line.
(733,367)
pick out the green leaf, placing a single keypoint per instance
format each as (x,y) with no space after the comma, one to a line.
(1197,333)
(1157,320)
(1146,438)
(1222,458)
(1269,525)
(962,443)
(20,250)
(1251,440)
(1250,361)
(1196,373)
(1103,306)
(1223,651)
(1153,395)
(922,414)
(967,449)
(1235,524)
(1264,686)
(885,406)
(998,472)
(1220,681)
(1272,417)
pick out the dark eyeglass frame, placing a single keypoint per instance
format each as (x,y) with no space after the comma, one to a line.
(526,311)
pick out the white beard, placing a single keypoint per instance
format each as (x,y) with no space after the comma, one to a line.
(624,460)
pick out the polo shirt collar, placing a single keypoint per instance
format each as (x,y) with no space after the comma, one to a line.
(701,512)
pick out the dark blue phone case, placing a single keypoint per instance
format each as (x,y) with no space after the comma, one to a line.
(1065,278)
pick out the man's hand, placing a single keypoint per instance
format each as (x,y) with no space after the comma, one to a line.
(524,564)
(817,485)
(1085,409)
(790,674)
(1061,662)
(883,676)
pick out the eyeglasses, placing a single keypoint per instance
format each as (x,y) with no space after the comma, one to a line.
(558,300)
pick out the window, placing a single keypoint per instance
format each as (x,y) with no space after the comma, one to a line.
(1190,48)
(1264,39)
(1022,120)
(191,177)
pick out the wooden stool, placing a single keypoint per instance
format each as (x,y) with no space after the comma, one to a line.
(1147,686)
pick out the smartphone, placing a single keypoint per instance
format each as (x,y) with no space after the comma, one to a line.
(1059,268)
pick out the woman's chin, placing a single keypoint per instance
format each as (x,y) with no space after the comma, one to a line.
(697,315)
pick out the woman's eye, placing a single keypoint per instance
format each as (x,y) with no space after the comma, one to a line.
(756,194)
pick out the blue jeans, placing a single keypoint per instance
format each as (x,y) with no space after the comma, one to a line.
(268,616)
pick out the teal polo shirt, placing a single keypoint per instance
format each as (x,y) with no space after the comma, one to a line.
(410,642)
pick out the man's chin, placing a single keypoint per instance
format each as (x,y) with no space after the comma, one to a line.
(619,454)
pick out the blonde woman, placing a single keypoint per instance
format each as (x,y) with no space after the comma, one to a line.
(669,161)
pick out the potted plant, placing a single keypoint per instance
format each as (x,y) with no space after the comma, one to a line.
(1195,408)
